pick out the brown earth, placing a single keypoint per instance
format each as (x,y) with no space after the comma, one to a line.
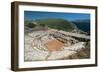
(54,45)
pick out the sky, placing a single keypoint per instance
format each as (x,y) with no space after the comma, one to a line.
(32,15)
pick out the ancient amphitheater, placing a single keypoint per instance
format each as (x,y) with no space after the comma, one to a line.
(55,45)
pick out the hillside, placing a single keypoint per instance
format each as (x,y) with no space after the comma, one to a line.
(83,25)
(57,23)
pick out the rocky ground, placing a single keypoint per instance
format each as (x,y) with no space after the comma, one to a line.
(45,45)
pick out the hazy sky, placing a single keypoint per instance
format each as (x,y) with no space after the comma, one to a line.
(31,15)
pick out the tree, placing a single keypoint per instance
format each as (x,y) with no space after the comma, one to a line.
(30,25)
(42,25)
